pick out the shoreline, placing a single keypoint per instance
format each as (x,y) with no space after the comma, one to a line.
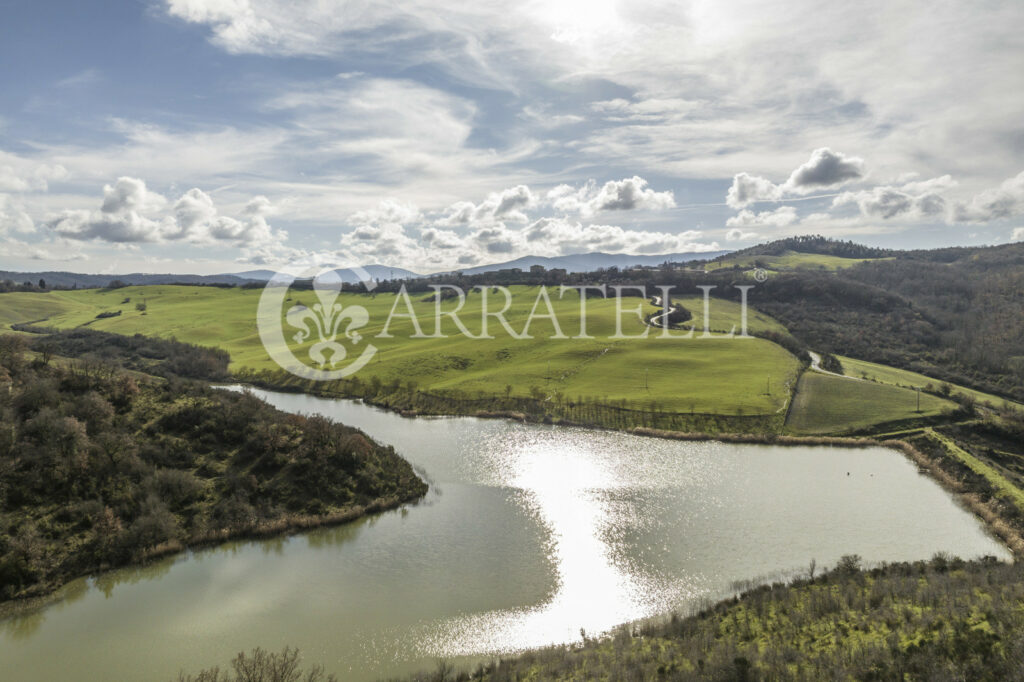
(290,525)
(992,521)
(286,526)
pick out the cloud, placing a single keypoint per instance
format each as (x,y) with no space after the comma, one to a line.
(747,189)
(249,230)
(399,234)
(13,217)
(44,251)
(120,218)
(780,217)
(130,194)
(918,199)
(559,236)
(131,213)
(627,194)
(379,233)
(1004,201)
(1017,235)
(433,238)
(825,169)
(507,204)
(738,235)
(651,110)
(689,89)
(82,79)
(36,180)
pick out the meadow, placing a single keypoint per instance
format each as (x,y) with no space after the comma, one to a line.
(900,377)
(703,375)
(831,404)
(790,260)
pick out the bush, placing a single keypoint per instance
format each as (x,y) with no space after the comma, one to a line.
(262,666)
(114,468)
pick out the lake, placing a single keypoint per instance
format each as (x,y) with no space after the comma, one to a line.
(530,534)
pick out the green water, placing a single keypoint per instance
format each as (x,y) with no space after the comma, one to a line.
(529,534)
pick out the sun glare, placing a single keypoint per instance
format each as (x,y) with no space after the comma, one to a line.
(580,22)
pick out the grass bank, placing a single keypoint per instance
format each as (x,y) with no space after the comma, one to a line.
(707,376)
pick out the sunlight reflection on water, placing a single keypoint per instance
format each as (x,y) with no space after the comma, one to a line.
(529,534)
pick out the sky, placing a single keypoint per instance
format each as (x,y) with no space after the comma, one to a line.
(210,136)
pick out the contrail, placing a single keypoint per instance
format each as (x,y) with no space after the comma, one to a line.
(686,207)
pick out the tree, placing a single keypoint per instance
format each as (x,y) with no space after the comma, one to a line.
(848,564)
(263,666)
(42,283)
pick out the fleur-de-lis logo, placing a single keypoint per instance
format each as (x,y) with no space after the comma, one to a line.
(327,323)
(324,321)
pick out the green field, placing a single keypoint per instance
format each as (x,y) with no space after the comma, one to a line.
(718,375)
(790,260)
(829,404)
(901,377)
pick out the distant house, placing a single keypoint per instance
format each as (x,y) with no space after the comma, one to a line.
(537,270)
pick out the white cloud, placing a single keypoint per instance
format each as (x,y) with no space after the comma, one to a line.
(738,235)
(24,180)
(398,234)
(82,79)
(559,236)
(826,169)
(132,213)
(747,189)
(652,110)
(120,218)
(434,238)
(379,233)
(13,217)
(508,204)
(780,217)
(915,199)
(702,88)
(615,195)
(44,251)
(1017,235)
(1004,201)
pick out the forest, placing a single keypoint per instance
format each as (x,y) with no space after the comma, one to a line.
(953,314)
(101,467)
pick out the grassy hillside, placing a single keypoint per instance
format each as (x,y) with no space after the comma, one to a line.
(907,379)
(830,404)
(24,307)
(953,314)
(789,260)
(683,375)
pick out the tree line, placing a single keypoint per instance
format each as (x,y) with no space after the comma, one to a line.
(100,468)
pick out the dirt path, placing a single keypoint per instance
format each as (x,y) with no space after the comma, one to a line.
(655,321)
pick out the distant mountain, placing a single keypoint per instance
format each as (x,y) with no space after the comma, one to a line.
(85,281)
(588,262)
(582,262)
(377,272)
